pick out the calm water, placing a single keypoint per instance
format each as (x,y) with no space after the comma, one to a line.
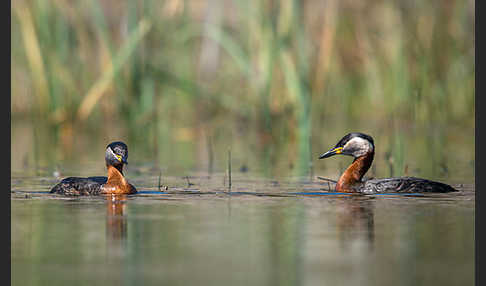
(266,232)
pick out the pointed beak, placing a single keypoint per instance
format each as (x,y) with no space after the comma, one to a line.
(332,152)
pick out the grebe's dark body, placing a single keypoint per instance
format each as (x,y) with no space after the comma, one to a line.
(115,156)
(403,185)
(77,186)
(362,148)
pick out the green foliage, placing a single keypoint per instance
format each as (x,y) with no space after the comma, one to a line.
(275,81)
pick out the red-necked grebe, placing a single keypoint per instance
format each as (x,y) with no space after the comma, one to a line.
(115,156)
(362,148)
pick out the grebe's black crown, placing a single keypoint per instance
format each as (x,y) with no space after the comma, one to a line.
(116,153)
(350,136)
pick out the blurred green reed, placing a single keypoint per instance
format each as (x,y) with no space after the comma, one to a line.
(278,82)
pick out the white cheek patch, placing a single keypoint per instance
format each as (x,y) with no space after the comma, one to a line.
(358,146)
(109,151)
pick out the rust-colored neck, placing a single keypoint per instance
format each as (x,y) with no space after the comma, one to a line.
(354,173)
(117,167)
(116,183)
(115,176)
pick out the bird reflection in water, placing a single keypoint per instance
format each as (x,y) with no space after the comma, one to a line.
(116,225)
(355,220)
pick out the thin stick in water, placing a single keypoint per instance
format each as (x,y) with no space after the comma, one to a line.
(326,179)
(188,182)
(210,155)
(229,168)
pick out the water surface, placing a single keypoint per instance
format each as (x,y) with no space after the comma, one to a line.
(263,232)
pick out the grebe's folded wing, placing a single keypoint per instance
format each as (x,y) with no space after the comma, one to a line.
(79,186)
(99,179)
(404,185)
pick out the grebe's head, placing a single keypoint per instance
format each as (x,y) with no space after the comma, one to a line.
(353,144)
(116,154)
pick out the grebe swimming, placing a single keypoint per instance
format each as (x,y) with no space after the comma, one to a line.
(115,156)
(362,148)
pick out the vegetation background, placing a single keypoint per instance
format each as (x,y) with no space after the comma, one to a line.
(276,82)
